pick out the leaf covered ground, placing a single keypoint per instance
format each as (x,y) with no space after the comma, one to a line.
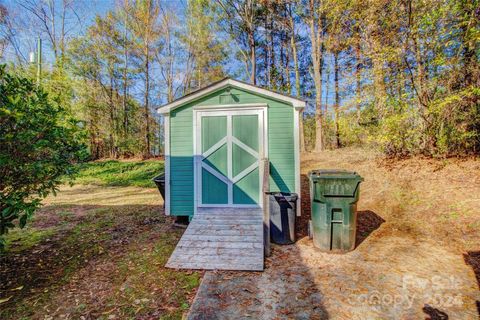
(96,252)
(417,252)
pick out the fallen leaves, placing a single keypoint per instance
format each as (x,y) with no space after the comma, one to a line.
(83,271)
(5,299)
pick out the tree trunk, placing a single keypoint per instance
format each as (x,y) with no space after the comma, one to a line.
(268,48)
(337,100)
(271,50)
(380,94)
(358,76)
(125,81)
(285,80)
(93,129)
(470,61)
(297,76)
(317,61)
(112,117)
(295,66)
(253,58)
(169,71)
(52,31)
(146,152)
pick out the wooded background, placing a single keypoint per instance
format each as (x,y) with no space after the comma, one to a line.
(400,76)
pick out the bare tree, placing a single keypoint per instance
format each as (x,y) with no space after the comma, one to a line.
(316,23)
(293,46)
(56,22)
(145,18)
(166,57)
(242,19)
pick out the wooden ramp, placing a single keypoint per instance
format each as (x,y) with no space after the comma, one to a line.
(221,239)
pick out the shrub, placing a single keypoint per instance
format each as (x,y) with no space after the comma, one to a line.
(39,144)
(399,134)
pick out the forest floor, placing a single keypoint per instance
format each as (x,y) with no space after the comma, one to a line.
(417,254)
(97,251)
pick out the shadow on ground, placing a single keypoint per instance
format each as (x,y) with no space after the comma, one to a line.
(434,313)
(367,222)
(472,258)
(285,290)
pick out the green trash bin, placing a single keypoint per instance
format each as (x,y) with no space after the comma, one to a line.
(334,195)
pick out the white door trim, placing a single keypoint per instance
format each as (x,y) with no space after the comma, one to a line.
(296,146)
(246,171)
(215,147)
(262,113)
(218,175)
(245,147)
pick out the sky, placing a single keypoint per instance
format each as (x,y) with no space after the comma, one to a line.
(26,33)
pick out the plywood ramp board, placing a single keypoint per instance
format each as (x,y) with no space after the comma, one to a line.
(221,239)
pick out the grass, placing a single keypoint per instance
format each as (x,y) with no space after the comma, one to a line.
(19,240)
(106,234)
(120,173)
(147,288)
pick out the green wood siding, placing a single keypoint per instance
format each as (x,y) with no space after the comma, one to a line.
(181,161)
(280,143)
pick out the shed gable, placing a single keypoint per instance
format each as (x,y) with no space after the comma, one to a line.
(230,83)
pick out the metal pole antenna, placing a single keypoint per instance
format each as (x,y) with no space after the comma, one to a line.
(39,60)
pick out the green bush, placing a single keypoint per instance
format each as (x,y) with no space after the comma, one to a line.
(39,144)
(456,123)
(398,134)
(351,133)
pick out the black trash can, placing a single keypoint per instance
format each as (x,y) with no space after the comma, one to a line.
(160,182)
(283,210)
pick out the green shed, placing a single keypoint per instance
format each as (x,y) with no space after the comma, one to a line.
(215,140)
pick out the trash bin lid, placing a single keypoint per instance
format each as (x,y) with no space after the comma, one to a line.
(335,183)
(334,174)
(288,196)
(159,178)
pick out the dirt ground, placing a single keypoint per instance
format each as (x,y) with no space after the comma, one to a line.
(98,253)
(95,253)
(417,254)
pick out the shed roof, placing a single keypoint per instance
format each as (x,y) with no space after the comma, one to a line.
(296,103)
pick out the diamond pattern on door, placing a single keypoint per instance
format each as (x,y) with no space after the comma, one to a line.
(230,157)
(218,160)
(242,159)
